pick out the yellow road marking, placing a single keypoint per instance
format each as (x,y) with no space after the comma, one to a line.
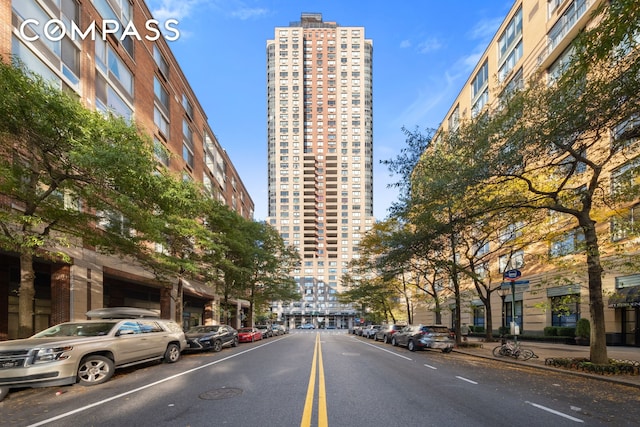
(316,367)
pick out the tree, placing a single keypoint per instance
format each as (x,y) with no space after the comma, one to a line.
(68,175)
(255,264)
(545,147)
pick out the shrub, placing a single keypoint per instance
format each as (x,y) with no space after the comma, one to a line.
(583,328)
(550,331)
(566,331)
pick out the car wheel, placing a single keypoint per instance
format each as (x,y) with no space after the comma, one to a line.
(217,346)
(234,343)
(447,350)
(94,370)
(172,354)
(394,342)
(411,346)
(3,392)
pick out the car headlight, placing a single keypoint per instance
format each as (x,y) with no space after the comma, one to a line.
(53,354)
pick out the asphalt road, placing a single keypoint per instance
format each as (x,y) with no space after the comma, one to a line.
(310,378)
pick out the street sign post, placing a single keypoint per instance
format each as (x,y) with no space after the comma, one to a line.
(511,276)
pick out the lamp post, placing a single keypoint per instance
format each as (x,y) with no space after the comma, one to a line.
(502,292)
(512,276)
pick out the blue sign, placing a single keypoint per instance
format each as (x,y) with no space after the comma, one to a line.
(507,285)
(512,274)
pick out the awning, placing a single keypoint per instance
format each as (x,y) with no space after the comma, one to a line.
(625,297)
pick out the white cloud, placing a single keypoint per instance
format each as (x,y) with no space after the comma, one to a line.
(173,9)
(405,44)
(245,13)
(485,29)
(429,45)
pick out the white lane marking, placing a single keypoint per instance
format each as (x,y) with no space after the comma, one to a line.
(553,411)
(429,366)
(135,390)
(384,349)
(466,379)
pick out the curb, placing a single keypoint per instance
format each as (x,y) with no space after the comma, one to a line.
(608,379)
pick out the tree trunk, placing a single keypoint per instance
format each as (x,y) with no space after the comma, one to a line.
(488,320)
(598,349)
(26,296)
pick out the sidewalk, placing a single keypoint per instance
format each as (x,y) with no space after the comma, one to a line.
(548,350)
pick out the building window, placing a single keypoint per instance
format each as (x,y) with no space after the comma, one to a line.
(511,261)
(163,65)
(63,55)
(560,65)
(624,178)
(626,225)
(187,146)
(480,89)
(565,310)
(161,122)
(161,95)
(454,119)
(510,36)
(160,152)
(478,315)
(568,243)
(122,11)
(625,133)
(109,100)
(113,67)
(568,19)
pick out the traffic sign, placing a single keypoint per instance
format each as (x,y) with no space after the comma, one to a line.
(512,274)
(507,285)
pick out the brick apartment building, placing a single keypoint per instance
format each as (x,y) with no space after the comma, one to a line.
(133,78)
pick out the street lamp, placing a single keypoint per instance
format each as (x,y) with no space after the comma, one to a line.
(503,292)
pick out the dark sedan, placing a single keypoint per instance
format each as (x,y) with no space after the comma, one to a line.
(212,337)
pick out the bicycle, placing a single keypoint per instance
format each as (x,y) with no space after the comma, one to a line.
(514,350)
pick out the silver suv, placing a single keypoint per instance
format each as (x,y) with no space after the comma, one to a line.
(88,351)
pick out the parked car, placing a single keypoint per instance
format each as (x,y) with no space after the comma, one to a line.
(385,333)
(211,337)
(438,337)
(267,330)
(417,337)
(89,351)
(370,331)
(279,330)
(249,335)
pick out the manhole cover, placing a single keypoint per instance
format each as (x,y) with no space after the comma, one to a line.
(221,393)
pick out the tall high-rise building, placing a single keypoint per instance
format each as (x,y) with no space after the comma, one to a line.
(320,136)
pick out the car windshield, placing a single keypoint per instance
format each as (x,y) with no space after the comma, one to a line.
(77,329)
(245,330)
(203,329)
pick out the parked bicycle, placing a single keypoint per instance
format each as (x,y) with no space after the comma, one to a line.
(515,350)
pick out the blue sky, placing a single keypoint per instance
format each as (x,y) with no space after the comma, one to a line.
(424,52)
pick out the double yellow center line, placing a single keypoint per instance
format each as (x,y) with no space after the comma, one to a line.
(316,367)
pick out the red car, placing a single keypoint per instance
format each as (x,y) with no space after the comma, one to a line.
(249,335)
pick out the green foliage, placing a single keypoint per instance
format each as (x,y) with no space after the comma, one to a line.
(550,331)
(613,367)
(566,331)
(583,328)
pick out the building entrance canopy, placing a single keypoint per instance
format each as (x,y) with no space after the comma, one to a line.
(625,297)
